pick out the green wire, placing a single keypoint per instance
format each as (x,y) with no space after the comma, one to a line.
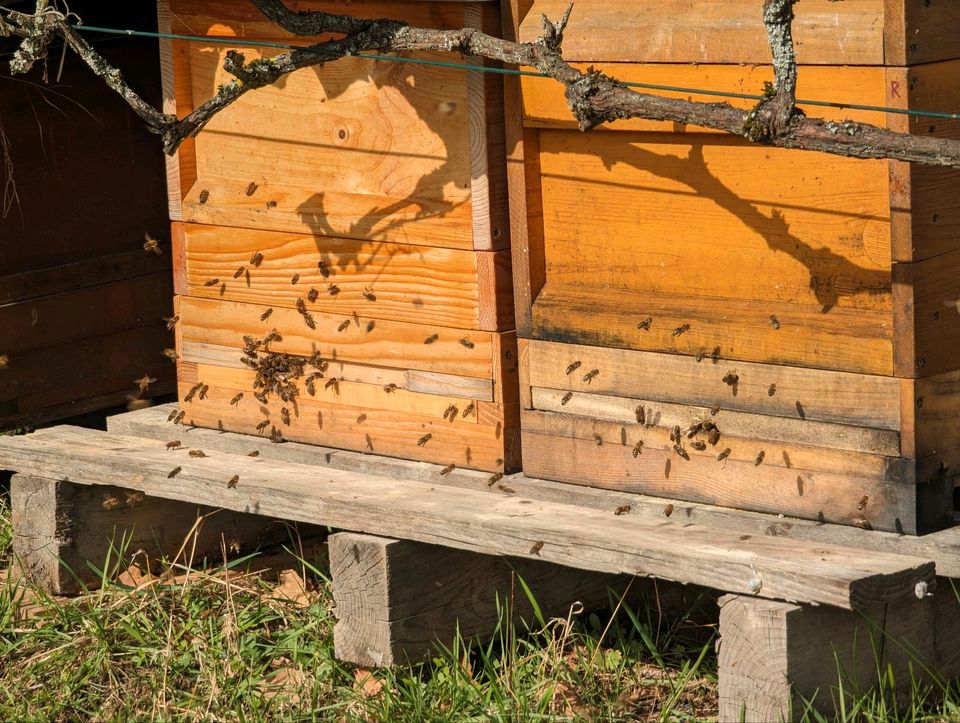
(512,71)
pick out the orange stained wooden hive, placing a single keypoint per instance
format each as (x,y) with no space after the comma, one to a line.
(359,210)
(804,305)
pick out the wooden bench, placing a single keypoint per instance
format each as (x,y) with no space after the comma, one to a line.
(425,550)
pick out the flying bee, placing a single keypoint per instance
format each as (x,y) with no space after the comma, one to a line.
(714,437)
(681,452)
(254,453)
(496,477)
(731,378)
(668,510)
(236,400)
(590,375)
(468,409)
(464,341)
(598,439)
(263,425)
(134,498)
(451,412)
(174,472)
(144,382)
(508,490)
(211,282)
(535,550)
(638,449)
(294,279)
(566,398)
(369,295)
(723,455)
(4,361)
(698,445)
(232,482)
(256,259)
(333,289)
(760,455)
(680,330)
(390,388)
(714,411)
(239,272)
(175,444)
(424,439)
(266,315)
(343,325)
(151,245)
(771,390)
(645,324)
(448,469)
(430,339)
(312,295)
(331,382)
(323,269)
(862,504)
(171,354)
(774,322)
(204,196)
(197,453)
(285,416)
(171,321)
(573,367)
(622,510)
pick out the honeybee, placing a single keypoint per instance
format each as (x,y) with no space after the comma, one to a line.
(694,429)
(324,271)
(451,412)
(179,417)
(774,322)
(698,445)
(174,472)
(390,388)
(144,382)
(343,325)
(760,455)
(262,398)
(714,437)
(134,498)
(308,320)
(251,188)
(430,339)
(151,245)
(369,295)
(301,306)
(448,469)
(638,449)
(862,523)
(236,400)
(211,282)
(862,504)
(467,343)
(197,453)
(496,477)
(4,361)
(622,510)
(266,315)
(239,272)
(535,550)
(566,398)
(312,295)
(171,354)
(598,439)
(204,196)
(467,410)
(174,444)
(333,289)
(332,382)
(681,452)
(204,388)
(645,324)
(771,390)
(668,510)
(675,433)
(680,330)
(590,375)
(263,425)
(274,335)
(310,386)
(294,279)
(256,259)
(731,378)
(800,485)
(573,367)
(254,453)
(275,435)
(714,411)
(285,416)
(700,355)
(192,392)
(424,439)
(800,412)
(723,455)
(232,482)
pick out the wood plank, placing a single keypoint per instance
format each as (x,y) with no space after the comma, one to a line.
(569,455)
(85,312)
(707,31)
(943,547)
(409,379)
(670,213)
(491,524)
(623,410)
(824,396)
(447,287)
(387,343)
(386,615)
(925,35)
(845,340)
(545,106)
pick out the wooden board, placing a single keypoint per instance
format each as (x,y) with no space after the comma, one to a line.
(449,287)
(943,547)
(363,149)
(854,32)
(480,522)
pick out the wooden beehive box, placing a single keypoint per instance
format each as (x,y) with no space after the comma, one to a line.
(375,193)
(81,303)
(661,259)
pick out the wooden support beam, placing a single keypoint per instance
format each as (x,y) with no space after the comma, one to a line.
(777,658)
(396,599)
(61,529)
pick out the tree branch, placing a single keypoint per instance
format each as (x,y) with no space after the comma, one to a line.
(593,97)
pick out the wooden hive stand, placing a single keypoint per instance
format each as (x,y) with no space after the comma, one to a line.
(807,604)
(801,305)
(359,211)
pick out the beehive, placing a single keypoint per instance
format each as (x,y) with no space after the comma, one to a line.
(661,260)
(358,210)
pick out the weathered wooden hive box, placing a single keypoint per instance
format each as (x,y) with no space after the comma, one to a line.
(803,305)
(358,210)
(81,302)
